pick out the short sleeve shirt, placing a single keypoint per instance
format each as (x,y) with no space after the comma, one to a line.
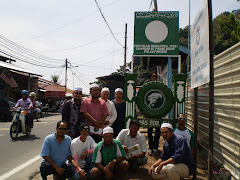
(103,154)
(96,109)
(126,140)
(57,152)
(25,104)
(187,134)
(78,147)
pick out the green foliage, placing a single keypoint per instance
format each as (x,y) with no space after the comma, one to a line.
(55,78)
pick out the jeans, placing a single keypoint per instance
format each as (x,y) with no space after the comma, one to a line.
(153,143)
(46,169)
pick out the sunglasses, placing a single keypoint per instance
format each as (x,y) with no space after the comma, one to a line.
(64,129)
(87,130)
(78,93)
(182,118)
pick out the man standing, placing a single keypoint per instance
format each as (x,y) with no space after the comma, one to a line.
(183,131)
(176,159)
(71,113)
(111,107)
(55,151)
(109,157)
(95,112)
(27,105)
(130,137)
(82,149)
(120,106)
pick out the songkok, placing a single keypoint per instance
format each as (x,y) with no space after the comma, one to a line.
(105,89)
(94,85)
(168,125)
(77,89)
(119,89)
(107,130)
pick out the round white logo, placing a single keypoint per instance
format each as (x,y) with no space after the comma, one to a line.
(154,99)
(156,31)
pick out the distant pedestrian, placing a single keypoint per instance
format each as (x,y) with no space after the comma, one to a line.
(109,157)
(120,106)
(95,112)
(71,113)
(111,107)
(55,152)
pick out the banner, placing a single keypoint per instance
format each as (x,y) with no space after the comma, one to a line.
(156,33)
(7,77)
(200,55)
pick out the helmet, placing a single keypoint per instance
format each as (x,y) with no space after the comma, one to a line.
(24,92)
(33,94)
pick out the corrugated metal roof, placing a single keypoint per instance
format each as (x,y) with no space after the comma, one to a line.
(17,68)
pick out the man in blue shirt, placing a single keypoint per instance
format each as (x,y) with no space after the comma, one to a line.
(176,160)
(55,151)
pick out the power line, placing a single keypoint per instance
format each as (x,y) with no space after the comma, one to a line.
(27,51)
(107,23)
(63,26)
(79,79)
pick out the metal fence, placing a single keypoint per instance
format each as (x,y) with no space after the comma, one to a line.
(226,110)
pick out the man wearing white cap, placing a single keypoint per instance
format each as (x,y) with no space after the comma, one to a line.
(71,113)
(176,160)
(120,106)
(109,157)
(95,112)
(111,107)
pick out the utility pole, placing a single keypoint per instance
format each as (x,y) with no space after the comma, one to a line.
(66,65)
(125,50)
(155,5)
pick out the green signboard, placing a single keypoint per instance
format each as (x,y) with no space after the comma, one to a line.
(156,33)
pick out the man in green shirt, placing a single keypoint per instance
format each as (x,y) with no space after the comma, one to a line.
(109,157)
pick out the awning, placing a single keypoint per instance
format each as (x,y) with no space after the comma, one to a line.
(17,68)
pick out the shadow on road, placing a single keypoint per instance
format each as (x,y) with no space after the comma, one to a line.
(23,137)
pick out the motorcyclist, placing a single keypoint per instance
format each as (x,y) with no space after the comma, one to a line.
(25,103)
(33,97)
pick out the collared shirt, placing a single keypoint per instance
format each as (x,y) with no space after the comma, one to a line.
(57,152)
(103,154)
(113,113)
(187,134)
(126,140)
(178,149)
(25,104)
(96,109)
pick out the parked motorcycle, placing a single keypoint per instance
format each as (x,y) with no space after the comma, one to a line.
(19,123)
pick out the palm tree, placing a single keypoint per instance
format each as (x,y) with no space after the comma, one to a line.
(55,78)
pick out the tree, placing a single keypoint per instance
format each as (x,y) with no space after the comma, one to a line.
(55,78)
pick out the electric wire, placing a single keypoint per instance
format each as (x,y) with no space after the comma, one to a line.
(150,5)
(27,51)
(80,73)
(79,78)
(107,23)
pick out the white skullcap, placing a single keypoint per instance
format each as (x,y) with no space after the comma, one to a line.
(168,125)
(77,89)
(94,85)
(119,89)
(105,89)
(107,130)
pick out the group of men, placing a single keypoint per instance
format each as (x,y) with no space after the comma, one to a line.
(91,136)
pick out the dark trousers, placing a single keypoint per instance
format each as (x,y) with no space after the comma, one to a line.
(153,143)
(96,138)
(46,169)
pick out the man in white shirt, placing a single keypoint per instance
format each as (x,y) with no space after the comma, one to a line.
(82,149)
(130,137)
(111,107)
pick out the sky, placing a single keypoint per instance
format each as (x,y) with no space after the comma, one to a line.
(55,30)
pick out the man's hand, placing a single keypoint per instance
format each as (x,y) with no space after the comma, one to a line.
(83,155)
(151,170)
(82,173)
(159,168)
(60,170)
(111,165)
(98,124)
(125,148)
(109,174)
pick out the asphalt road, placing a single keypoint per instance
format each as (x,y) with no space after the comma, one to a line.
(20,159)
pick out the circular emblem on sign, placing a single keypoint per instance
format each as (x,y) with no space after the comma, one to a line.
(198,35)
(154,99)
(156,31)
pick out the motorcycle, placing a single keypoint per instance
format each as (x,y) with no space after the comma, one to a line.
(19,123)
